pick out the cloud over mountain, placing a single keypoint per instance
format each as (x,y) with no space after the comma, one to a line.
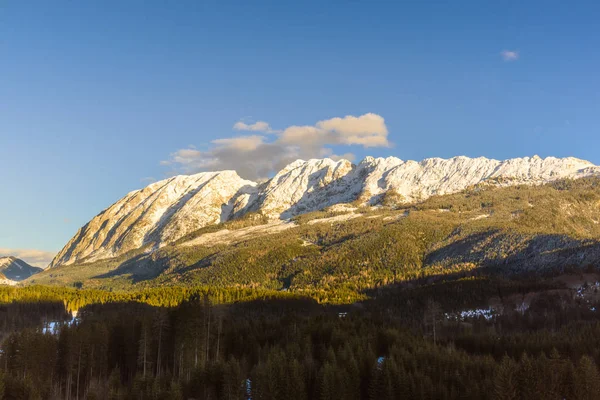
(256,156)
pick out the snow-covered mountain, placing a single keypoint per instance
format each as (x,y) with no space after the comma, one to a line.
(167,210)
(13,270)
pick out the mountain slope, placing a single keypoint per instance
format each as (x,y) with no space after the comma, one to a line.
(162,211)
(168,210)
(341,252)
(13,270)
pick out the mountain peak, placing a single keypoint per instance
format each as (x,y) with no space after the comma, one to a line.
(13,269)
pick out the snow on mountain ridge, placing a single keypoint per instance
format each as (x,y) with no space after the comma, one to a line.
(13,270)
(167,210)
(4,261)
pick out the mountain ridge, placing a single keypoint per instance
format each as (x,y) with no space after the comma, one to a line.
(167,210)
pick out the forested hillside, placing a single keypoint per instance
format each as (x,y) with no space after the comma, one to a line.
(340,254)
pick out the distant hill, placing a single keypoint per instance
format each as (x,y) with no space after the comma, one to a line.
(14,270)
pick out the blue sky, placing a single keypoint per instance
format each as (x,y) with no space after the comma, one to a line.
(99,97)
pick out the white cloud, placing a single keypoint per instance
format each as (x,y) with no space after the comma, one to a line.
(258,126)
(257,156)
(37,258)
(368,130)
(508,55)
(242,143)
(251,160)
(304,135)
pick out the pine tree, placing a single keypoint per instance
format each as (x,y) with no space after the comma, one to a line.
(351,378)
(587,381)
(430,318)
(327,386)
(505,385)
(296,382)
(390,380)
(526,379)
(2,383)
(555,374)
(232,380)
(376,385)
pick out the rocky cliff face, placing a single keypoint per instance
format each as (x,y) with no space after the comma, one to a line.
(167,210)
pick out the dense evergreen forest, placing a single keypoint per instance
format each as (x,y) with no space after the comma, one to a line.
(176,343)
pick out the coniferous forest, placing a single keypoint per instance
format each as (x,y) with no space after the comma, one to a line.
(250,344)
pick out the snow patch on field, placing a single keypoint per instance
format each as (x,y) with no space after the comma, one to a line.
(482,216)
(225,236)
(396,217)
(337,218)
(487,313)
(342,207)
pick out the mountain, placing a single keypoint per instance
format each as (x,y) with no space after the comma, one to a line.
(13,270)
(341,252)
(167,211)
